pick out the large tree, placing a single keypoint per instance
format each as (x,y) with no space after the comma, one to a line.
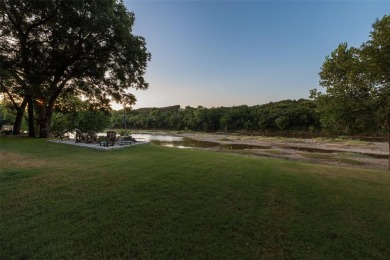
(347,107)
(82,47)
(357,83)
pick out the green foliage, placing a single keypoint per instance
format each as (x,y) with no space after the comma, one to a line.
(7,113)
(376,53)
(93,120)
(376,56)
(72,112)
(282,122)
(284,115)
(347,106)
(357,83)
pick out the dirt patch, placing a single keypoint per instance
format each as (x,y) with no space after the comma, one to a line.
(14,160)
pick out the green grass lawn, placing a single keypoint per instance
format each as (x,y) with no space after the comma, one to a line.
(61,201)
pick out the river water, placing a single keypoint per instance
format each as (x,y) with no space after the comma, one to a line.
(185,142)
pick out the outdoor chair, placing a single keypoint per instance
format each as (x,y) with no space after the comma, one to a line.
(111,137)
(91,136)
(80,136)
(103,141)
(61,134)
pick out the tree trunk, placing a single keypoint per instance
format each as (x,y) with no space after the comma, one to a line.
(18,122)
(45,114)
(19,118)
(388,137)
(31,119)
(44,128)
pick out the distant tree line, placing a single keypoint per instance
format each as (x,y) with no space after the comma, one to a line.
(284,117)
(299,115)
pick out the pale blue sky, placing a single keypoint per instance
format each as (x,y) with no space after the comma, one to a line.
(225,53)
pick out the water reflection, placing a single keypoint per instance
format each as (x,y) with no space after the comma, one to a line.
(161,138)
(185,142)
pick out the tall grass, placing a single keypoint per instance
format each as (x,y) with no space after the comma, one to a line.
(60,201)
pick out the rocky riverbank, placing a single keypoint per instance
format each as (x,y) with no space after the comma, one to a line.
(340,152)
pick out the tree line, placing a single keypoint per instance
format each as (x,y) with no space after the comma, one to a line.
(302,117)
(299,115)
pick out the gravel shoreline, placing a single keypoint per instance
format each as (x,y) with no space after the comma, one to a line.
(361,154)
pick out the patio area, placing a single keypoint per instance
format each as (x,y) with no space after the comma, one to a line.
(96,146)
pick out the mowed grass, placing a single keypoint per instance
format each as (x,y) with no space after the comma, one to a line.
(61,201)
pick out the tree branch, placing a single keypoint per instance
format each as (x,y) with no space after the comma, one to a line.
(5,90)
(42,21)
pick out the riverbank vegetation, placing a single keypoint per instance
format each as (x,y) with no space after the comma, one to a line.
(287,117)
(296,118)
(157,202)
(275,116)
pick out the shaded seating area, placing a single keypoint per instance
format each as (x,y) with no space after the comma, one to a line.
(101,141)
(110,139)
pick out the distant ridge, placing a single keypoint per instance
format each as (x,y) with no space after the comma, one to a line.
(177,107)
(147,109)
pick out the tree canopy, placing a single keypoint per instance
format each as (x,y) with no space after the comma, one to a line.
(347,106)
(79,47)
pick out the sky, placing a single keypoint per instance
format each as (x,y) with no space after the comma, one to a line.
(216,53)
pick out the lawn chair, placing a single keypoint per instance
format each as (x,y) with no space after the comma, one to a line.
(80,136)
(103,141)
(111,137)
(61,134)
(91,136)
